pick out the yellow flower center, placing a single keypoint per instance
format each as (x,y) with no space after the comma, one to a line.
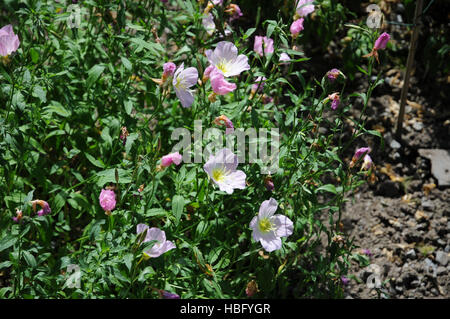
(222,66)
(265,225)
(179,85)
(218,174)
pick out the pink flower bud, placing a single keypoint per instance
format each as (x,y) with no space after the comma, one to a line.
(172,158)
(382,41)
(169,69)
(296,27)
(107,200)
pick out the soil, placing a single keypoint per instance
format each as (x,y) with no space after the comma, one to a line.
(403,219)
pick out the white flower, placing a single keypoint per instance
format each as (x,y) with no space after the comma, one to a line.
(161,246)
(221,168)
(182,81)
(268,228)
(208,23)
(226,59)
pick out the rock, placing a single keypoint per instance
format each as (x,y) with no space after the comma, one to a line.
(440,164)
(442,258)
(441,271)
(395,145)
(411,254)
(428,205)
(418,126)
(447,249)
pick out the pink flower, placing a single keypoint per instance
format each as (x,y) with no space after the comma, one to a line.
(269,228)
(263,45)
(182,81)
(333,74)
(380,44)
(225,58)
(18,217)
(9,42)
(219,84)
(234,11)
(44,205)
(345,280)
(221,169)
(335,100)
(285,58)
(361,151)
(367,163)
(296,27)
(258,86)
(173,158)
(169,69)
(304,8)
(223,120)
(161,246)
(107,200)
(382,41)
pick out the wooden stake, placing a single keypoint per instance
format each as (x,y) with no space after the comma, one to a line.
(409,64)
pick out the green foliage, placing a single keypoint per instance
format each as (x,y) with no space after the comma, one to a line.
(65,96)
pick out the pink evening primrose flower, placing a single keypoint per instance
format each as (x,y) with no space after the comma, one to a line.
(208,23)
(269,228)
(333,74)
(107,200)
(296,27)
(223,120)
(172,158)
(44,205)
(161,246)
(367,162)
(226,59)
(169,69)
(18,217)
(360,152)
(304,7)
(258,86)
(182,81)
(382,41)
(380,44)
(285,58)
(263,45)
(335,100)
(9,42)
(219,84)
(234,11)
(221,169)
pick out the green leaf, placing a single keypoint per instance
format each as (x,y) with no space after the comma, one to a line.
(177,207)
(29,258)
(128,106)
(126,63)
(93,74)
(328,188)
(94,161)
(7,242)
(109,176)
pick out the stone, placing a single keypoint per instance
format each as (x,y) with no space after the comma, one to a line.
(442,258)
(441,271)
(395,145)
(411,254)
(418,126)
(440,164)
